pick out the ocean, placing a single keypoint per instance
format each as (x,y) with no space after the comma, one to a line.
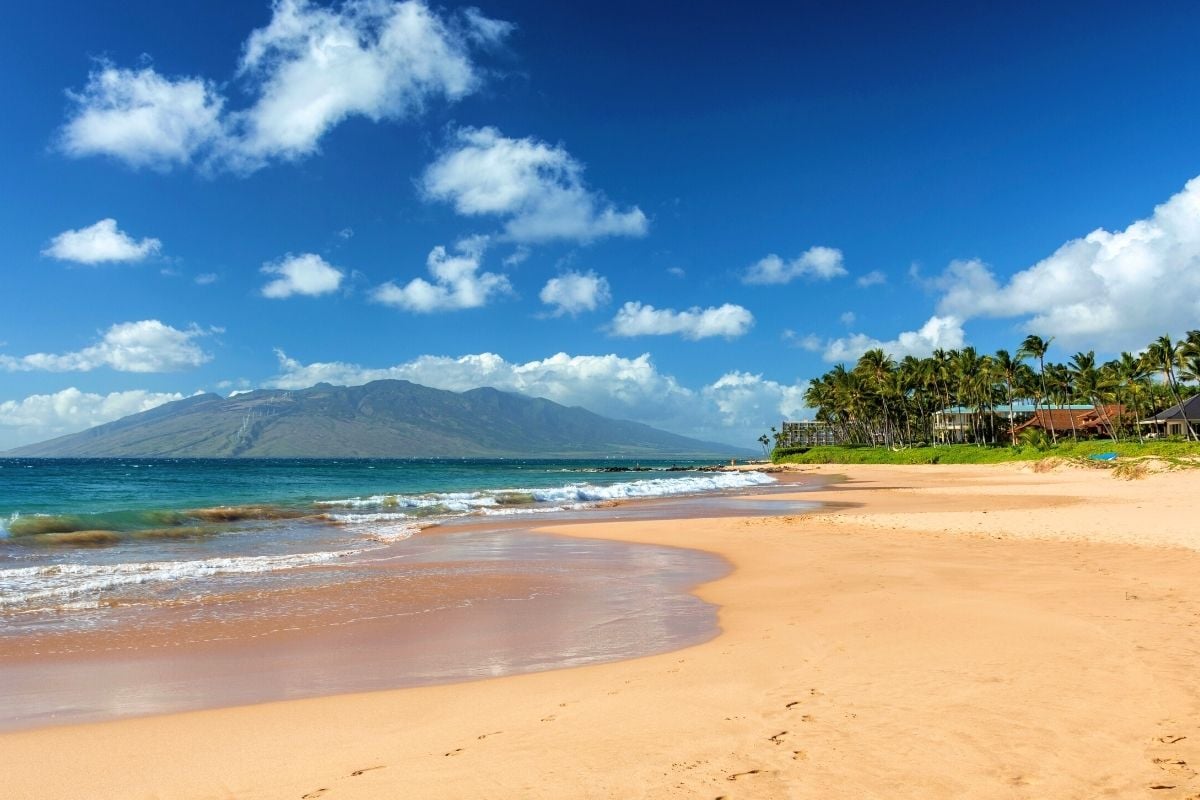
(84,541)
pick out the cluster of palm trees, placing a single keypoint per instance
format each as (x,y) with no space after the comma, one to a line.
(881,401)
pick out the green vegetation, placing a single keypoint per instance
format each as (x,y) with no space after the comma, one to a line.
(889,404)
(1169,450)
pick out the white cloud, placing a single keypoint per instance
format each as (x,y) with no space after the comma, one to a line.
(205,278)
(142,118)
(810,342)
(1116,290)
(145,346)
(518,256)
(750,402)
(848,318)
(677,272)
(573,292)
(535,187)
(307,274)
(937,332)
(873,278)
(44,416)
(457,282)
(308,69)
(100,243)
(736,408)
(817,263)
(381,60)
(638,319)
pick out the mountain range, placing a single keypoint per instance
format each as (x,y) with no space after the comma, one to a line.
(381,419)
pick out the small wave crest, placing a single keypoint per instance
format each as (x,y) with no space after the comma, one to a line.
(62,583)
(493,501)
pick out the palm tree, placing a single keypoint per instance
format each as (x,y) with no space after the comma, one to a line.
(1007,368)
(1036,347)
(876,367)
(974,385)
(1130,373)
(1090,383)
(1062,383)
(1162,355)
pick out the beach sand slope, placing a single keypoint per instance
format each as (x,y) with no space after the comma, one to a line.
(939,632)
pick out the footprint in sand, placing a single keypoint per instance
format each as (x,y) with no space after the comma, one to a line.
(485,735)
(311,795)
(549,718)
(453,752)
(358,772)
(777,738)
(737,775)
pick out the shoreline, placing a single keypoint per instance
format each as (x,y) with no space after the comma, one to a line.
(934,632)
(443,606)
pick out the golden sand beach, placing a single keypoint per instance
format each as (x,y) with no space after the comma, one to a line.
(933,632)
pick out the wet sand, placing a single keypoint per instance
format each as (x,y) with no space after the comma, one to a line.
(937,632)
(460,604)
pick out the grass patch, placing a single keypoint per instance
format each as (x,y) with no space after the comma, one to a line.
(1173,451)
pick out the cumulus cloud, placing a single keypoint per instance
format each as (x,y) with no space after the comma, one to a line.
(308,69)
(145,346)
(574,292)
(1110,289)
(535,187)
(142,118)
(44,416)
(735,408)
(100,243)
(751,402)
(638,319)
(817,263)
(205,278)
(873,278)
(457,282)
(306,274)
(938,332)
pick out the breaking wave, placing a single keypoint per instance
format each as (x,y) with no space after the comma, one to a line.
(567,496)
(60,583)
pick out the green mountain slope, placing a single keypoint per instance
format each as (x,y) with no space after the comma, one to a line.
(382,419)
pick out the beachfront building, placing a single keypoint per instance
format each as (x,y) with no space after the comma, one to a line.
(1174,420)
(1083,421)
(807,433)
(961,424)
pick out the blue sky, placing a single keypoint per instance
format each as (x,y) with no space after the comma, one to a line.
(671,215)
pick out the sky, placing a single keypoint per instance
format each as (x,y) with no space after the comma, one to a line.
(677,215)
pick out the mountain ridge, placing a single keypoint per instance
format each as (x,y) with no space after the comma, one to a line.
(380,419)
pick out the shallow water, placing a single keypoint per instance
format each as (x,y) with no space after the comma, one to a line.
(83,540)
(276,598)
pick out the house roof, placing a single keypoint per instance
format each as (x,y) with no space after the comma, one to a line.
(1189,409)
(1073,418)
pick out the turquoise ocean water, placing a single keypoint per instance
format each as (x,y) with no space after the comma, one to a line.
(80,538)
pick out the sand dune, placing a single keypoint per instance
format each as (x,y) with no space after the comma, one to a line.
(938,632)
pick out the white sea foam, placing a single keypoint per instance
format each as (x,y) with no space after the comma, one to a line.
(380,526)
(61,582)
(496,500)
(652,487)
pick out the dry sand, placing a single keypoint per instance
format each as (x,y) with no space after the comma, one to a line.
(942,632)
